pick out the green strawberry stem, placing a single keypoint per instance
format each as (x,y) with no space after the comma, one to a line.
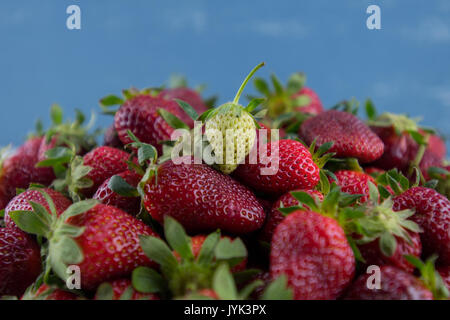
(250,75)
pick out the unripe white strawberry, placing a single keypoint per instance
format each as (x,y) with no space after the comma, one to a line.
(231,131)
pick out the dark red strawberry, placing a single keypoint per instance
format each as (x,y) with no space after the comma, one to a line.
(275,216)
(432,213)
(140,116)
(110,244)
(22,203)
(202,199)
(312,250)
(188,95)
(395,283)
(19,171)
(20,261)
(351,136)
(288,166)
(111,139)
(45,292)
(105,162)
(121,289)
(354,182)
(105,195)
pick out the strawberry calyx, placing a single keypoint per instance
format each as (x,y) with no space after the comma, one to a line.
(282,100)
(60,249)
(187,274)
(380,221)
(429,276)
(110,104)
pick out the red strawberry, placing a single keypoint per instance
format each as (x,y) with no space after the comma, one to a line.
(121,289)
(111,139)
(437,146)
(351,137)
(110,244)
(275,216)
(22,203)
(20,261)
(140,116)
(432,213)
(354,182)
(188,95)
(374,256)
(19,171)
(105,162)
(107,196)
(288,166)
(202,199)
(312,250)
(45,292)
(396,284)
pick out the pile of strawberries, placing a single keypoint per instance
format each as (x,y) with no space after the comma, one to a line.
(354,209)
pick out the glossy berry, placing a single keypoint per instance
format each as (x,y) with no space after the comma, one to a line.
(202,199)
(105,162)
(353,182)
(140,116)
(351,136)
(288,166)
(22,203)
(395,283)
(129,204)
(275,216)
(432,213)
(19,171)
(110,244)
(313,252)
(20,261)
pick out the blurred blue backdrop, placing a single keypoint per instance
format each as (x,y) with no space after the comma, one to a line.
(404,67)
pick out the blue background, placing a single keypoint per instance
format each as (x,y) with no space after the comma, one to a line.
(404,67)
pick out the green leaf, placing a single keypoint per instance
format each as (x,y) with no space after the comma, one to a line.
(301,101)
(118,185)
(223,283)
(158,251)
(172,119)
(248,289)
(262,86)
(278,290)
(177,238)
(232,250)
(374,195)
(56,114)
(79,208)
(296,82)
(370,110)
(388,244)
(276,84)
(29,222)
(105,292)
(127,294)
(431,184)
(254,104)
(147,280)
(190,111)
(111,100)
(289,210)
(2,213)
(417,137)
(206,255)
(306,199)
